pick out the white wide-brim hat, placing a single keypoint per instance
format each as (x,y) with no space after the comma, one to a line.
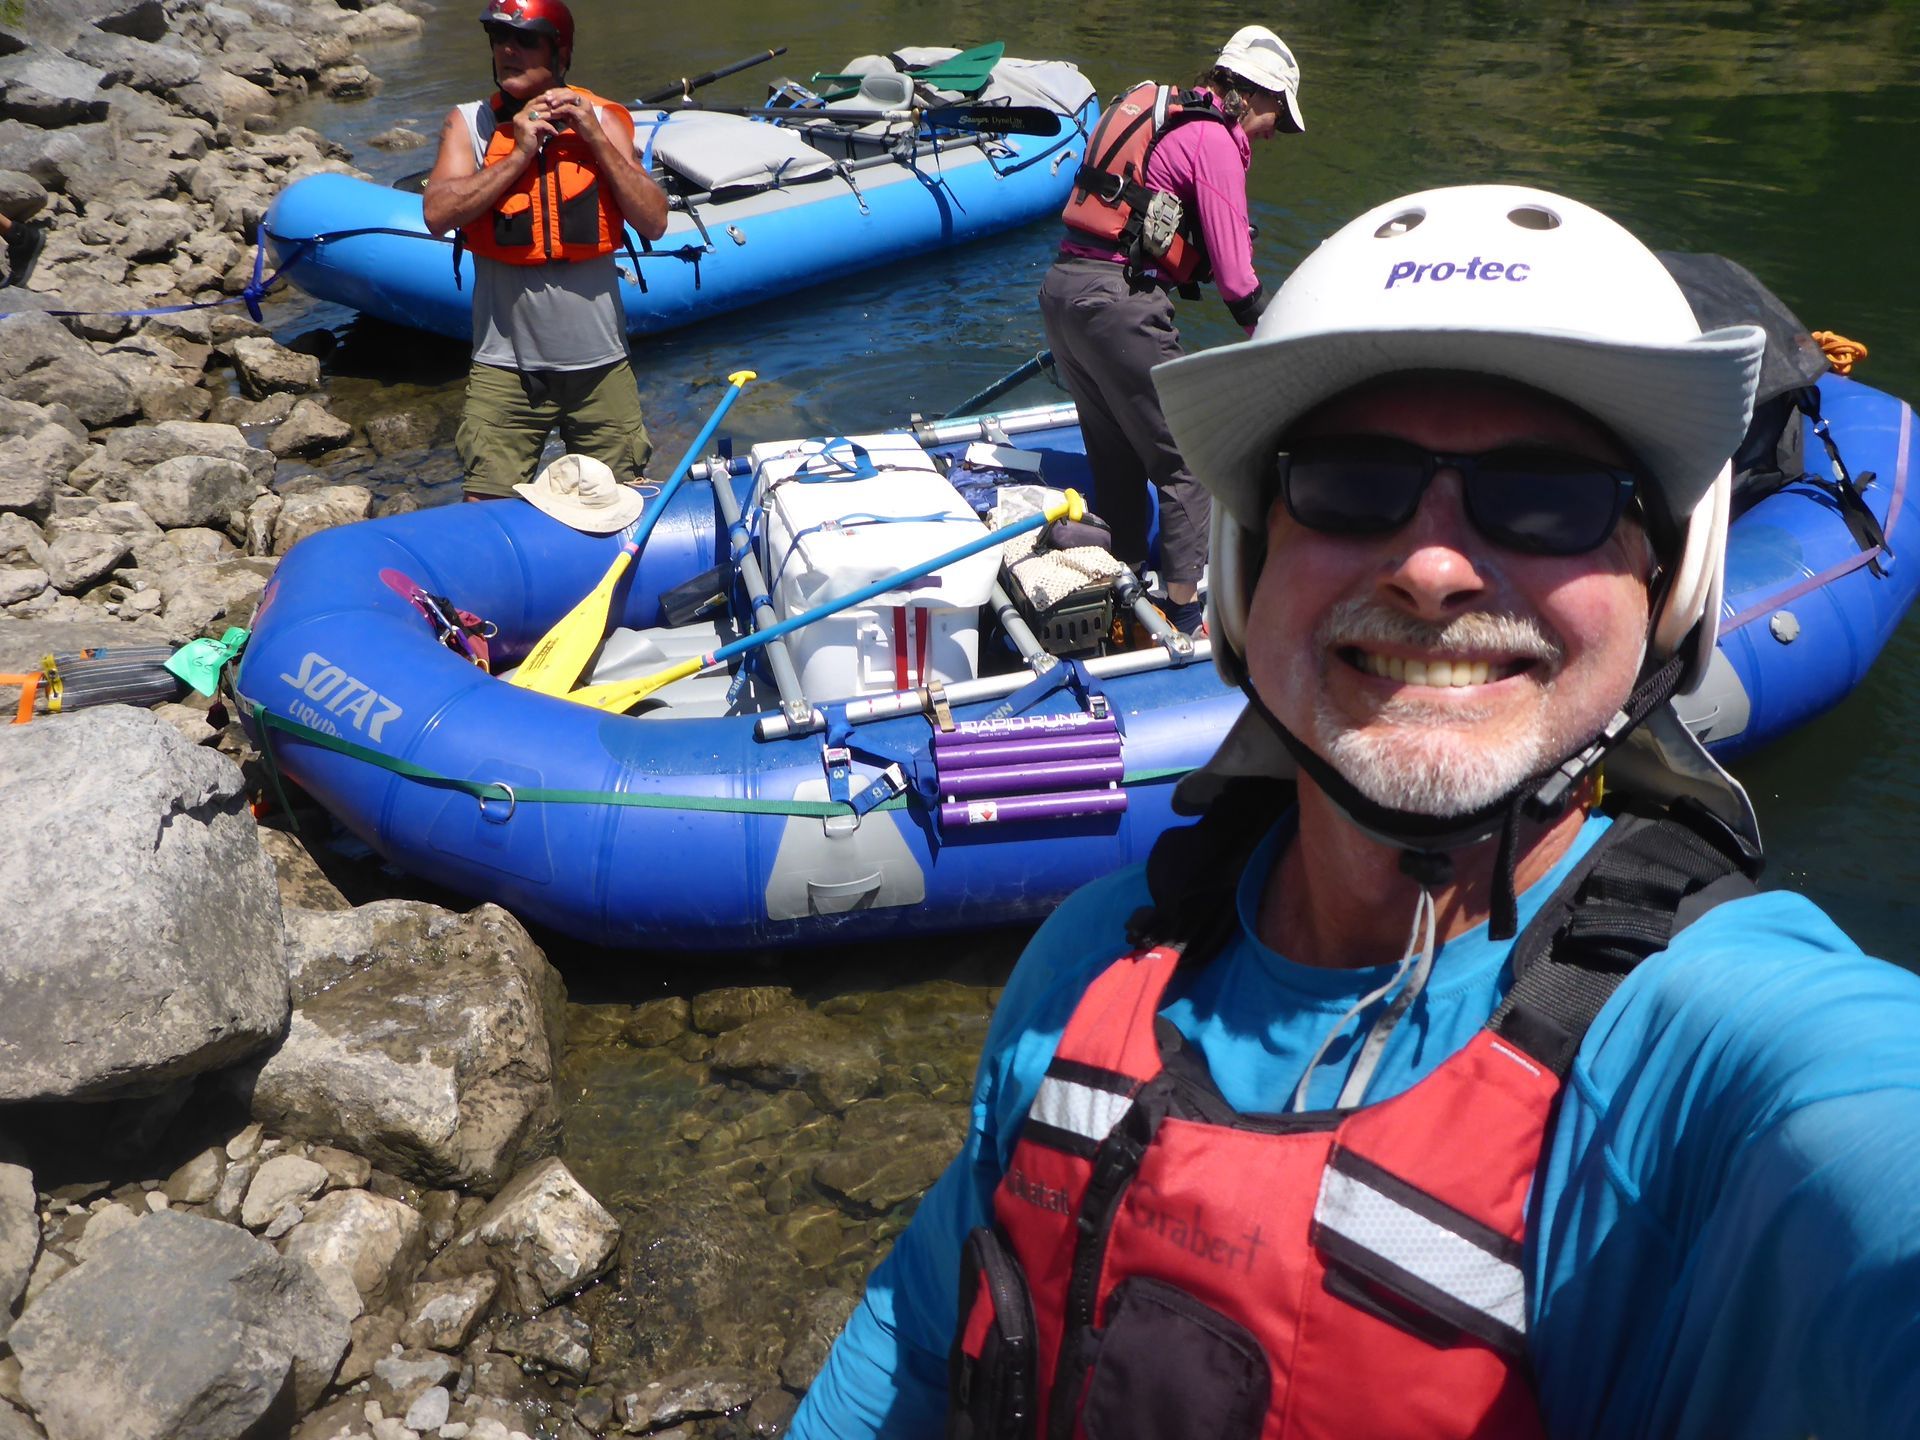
(581,491)
(1498,280)
(1258,55)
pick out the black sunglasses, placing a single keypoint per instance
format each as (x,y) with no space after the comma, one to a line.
(1539,501)
(507,35)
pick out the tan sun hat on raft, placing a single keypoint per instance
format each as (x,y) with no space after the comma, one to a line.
(581,491)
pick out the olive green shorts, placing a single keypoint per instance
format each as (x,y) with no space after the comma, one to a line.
(510,413)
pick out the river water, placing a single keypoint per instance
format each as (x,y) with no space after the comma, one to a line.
(1777,133)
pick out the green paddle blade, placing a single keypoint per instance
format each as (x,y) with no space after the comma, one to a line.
(967,72)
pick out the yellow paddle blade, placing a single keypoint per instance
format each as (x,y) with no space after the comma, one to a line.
(618,695)
(555,663)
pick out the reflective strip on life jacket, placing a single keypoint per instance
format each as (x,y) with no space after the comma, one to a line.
(1376,1223)
(1075,1107)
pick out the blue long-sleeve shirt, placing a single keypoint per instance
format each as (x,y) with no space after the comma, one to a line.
(1724,1232)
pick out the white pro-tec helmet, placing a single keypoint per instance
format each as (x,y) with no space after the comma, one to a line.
(1498,280)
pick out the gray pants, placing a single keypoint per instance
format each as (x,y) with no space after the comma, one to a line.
(1105,338)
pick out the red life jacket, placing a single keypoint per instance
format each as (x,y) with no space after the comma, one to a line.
(1110,195)
(559,208)
(1162,1265)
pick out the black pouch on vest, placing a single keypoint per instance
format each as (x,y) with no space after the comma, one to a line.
(990,1371)
(1169,1365)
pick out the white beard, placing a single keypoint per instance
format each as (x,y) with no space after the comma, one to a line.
(1430,759)
(1411,761)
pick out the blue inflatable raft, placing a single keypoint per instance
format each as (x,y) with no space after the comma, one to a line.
(762,205)
(740,810)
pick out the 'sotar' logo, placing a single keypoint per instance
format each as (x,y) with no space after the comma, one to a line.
(338,693)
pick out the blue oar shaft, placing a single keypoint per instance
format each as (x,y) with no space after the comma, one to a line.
(880,587)
(739,381)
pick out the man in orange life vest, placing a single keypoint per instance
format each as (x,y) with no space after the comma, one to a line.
(539,179)
(1159,205)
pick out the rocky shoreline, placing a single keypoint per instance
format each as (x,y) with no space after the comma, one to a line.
(280,1153)
(272,1162)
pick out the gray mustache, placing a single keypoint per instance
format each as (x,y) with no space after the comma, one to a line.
(1361,622)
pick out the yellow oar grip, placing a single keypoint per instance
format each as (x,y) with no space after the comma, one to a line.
(741,377)
(1069,506)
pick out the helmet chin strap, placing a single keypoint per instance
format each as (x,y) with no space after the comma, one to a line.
(1426,842)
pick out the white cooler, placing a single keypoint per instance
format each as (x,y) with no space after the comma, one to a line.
(844,513)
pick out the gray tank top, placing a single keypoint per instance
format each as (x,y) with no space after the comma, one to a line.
(542,317)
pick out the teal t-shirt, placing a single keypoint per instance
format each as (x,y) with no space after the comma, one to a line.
(1724,1233)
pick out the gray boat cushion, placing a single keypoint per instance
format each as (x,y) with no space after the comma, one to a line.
(726,152)
(1056,84)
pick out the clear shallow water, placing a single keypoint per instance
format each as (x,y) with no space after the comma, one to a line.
(1785,135)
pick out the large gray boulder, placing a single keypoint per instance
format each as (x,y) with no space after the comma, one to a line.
(45,364)
(178,1328)
(141,941)
(44,87)
(423,1040)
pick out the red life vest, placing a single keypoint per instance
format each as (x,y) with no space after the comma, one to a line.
(559,208)
(1161,1265)
(1110,195)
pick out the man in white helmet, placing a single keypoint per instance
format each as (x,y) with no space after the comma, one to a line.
(1159,205)
(1611,1143)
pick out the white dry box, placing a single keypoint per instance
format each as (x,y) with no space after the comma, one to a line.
(844,513)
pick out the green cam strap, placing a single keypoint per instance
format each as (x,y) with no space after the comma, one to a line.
(495,790)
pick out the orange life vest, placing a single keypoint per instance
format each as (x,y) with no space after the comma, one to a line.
(560,208)
(1110,195)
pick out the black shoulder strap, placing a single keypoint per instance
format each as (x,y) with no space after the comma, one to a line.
(1193,873)
(1647,879)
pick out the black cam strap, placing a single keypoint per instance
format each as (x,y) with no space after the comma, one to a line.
(1643,882)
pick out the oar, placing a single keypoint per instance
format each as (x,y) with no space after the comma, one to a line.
(556,662)
(620,695)
(1014,378)
(685,88)
(992,119)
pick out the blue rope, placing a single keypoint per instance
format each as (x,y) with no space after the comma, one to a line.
(254,292)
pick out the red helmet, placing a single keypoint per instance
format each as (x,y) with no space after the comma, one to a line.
(538,17)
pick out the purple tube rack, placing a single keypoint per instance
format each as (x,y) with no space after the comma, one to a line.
(1029,768)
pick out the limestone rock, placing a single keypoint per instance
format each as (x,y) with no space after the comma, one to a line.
(443,1314)
(43,87)
(172,439)
(558,1340)
(32,465)
(832,1061)
(363,1246)
(686,1395)
(428,1038)
(306,512)
(179,1328)
(127,968)
(197,1181)
(19,1239)
(45,364)
(193,490)
(399,1380)
(309,429)
(76,562)
(21,196)
(265,366)
(544,1234)
(278,1181)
